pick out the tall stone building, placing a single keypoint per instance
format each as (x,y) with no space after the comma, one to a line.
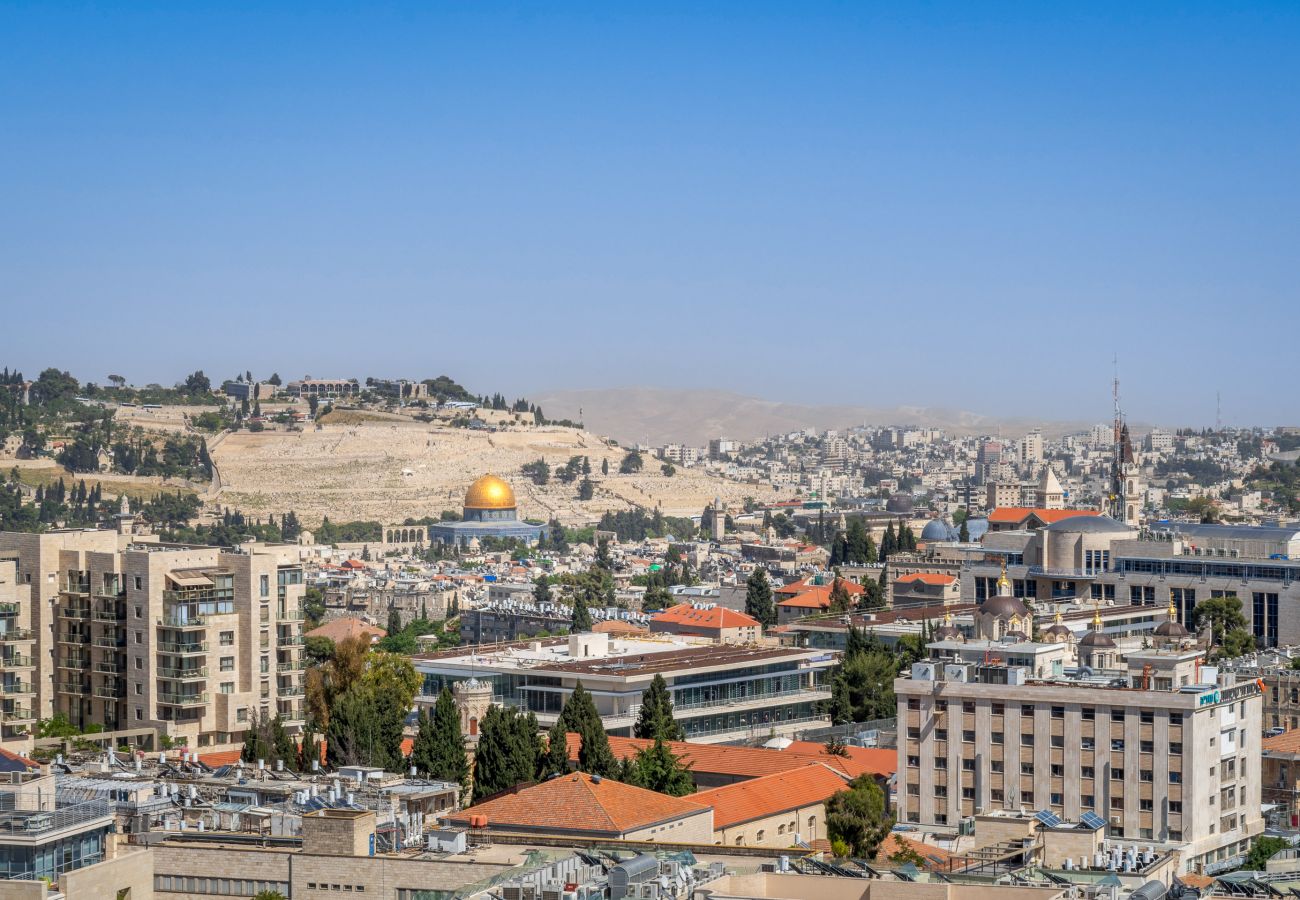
(126,632)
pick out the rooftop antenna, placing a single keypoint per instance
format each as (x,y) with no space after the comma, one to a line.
(1218,411)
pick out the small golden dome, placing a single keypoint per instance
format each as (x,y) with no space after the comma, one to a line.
(489,492)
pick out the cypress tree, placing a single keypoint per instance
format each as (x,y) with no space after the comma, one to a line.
(758,597)
(656,768)
(579,715)
(541,589)
(655,721)
(557,751)
(581,616)
(509,751)
(439,749)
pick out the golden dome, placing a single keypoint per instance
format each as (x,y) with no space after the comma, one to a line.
(489,492)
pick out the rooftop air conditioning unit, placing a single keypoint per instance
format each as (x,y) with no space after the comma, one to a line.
(957,673)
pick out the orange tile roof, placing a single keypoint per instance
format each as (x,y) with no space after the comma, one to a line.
(935,857)
(1286,742)
(758,798)
(754,762)
(714,617)
(220,758)
(855,761)
(17,760)
(614,626)
(930,578)
(1005,515)
(345,627)
(579,803)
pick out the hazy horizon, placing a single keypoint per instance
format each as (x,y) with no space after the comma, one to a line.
(970,207)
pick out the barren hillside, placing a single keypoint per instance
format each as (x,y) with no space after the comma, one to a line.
(393,471)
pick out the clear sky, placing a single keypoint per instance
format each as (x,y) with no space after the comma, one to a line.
(968,204)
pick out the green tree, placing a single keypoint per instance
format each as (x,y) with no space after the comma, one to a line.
(857,819)
(439,747)
(862,686)
(758,597)
(657,768)
(586,489)
(542,589)
(963,534)
(1228,630)
(509,751)
(632,463)
(579,716)
(668,470)
(394,621)
(839,598)
(655,720)
(1262,849)
(581,620)
(604,467)
(557,751)
(269,895)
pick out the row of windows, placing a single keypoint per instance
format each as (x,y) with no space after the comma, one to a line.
(226,887)
(997,766)
(1117,745)
(1087,713)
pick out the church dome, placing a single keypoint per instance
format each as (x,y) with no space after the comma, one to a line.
(1004,607)
(490,492)
(1097,640)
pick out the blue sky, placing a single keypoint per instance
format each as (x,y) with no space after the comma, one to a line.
(968,205)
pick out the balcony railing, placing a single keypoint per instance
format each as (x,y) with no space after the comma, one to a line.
(76,587)
(110,641)
(17,713)
(37,823)
(172,673)
(109,615)
(15,635)
(17,661)
(292,713)
(182,649)
(74,612)
(293,666)
(108,668)
(16,688)
(75,663)
(289,640)
(173,699)
(108,692)
(183,622)
(73,637)
(292,691)
(70,687)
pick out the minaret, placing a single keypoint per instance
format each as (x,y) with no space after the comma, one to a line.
(1130,481)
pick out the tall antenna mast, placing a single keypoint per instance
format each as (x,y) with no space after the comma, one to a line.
(1218,411)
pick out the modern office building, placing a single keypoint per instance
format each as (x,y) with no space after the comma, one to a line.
(127,633)
(1161,747)
(1095,558)
(720,692)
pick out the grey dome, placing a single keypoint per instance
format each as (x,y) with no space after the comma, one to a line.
(948,633)
(899,503)
(936,530)
(1097,639)
(1004,607)
(1085,524)
(1171,628)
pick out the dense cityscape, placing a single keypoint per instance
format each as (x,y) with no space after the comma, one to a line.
(779,675)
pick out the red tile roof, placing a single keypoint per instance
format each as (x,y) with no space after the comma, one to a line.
(708,616)
(579,803)
(220,758)
(930,578)
(15,763)
(614,626)
(1286,742)
(755,762)
(935,857)
(1008,515)
(345,627)
(780,792)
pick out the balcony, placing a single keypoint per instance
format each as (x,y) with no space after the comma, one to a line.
(183,622)
(74,612)
(289,640)
(17,688)
(169,698)
(16,661)
(292,713)
(292,666)
(8,609)
(17,714)
(16,635)
(71,586)
(73,637)
(108,692)
(69,687)
(110,641)
(175,648)
(291,691)
(292,615)
(109,615)
(108,668)
(175,673)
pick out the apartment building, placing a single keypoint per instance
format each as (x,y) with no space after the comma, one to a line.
(1163,749)
(131,633)
(17,667)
